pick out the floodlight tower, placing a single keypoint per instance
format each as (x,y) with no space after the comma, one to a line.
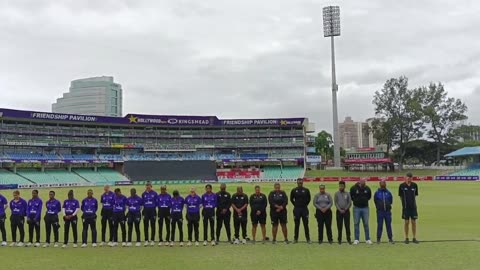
(331,28)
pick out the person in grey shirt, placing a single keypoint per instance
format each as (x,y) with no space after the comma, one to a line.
(323,203)
(343,202)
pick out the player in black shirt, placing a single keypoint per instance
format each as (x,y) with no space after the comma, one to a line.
(239,205)
(258,214)
(300,198)
(224,202)
(408,191)
(278,201)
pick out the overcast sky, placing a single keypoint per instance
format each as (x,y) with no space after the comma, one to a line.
(237,59)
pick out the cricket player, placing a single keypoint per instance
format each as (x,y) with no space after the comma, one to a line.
(89,209)
(53,207)
(18,208)
(149,213)
(34,215)
(107,200)
(135,205)
(71,206)
(164,201)
(209,202)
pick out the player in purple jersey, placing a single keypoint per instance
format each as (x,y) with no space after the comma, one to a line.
(119,207)
(89,218)
(71,206)
(18,208)
(34,213)
(135,205)
(3,217)
(209,202)
(193,202)
(149,213)
(53,207)
(177,204)
(107,213)
(164,201)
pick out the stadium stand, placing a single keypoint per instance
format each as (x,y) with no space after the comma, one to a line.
(8,177)
(282,173)
(64,176)
(472,170)
(93,177)
(37,177)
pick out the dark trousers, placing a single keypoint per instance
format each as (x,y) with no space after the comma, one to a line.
(193,222)
(324,220)
(72,222)
(224,219)
(107,219)
(17,222)
(51,222)
(33,225)
(343,219)
(240,222)
(133,220)
(149,216)
(301,213)
(164,218)
(119,221)
(208,218)
(177,221)
(92,223)
(2,227)
(384,216)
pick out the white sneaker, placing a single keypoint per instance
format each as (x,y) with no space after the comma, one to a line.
(213,243)
(152,243)
(369,242)
(84,245)
(4,244)
(124,244)
(197,244)
(146,244)
(160,243)
(356,242)
(181,244)
(37,244)
(94,245)
(138,244)
(64,246)
(46,245)
(205,243)
(55,245)
(166,243)
(29,244)
(171,244)
(102,244)
(20,244)
(129,244)
(75,245)
(189,244)
(13,244)
(236,242)
(244,241)
(114,244)
(110,244)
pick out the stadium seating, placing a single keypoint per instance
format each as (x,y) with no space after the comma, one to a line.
(37,177)
(31,156)
(111,157)
(8,177)
(102,176)
(282,173)
(78,157)
(112,176)
(472,170)
(64,176)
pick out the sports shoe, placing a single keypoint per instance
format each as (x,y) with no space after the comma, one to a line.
(145,244)
(197,244)
(369,242)
(236,242)
(102,244)
(114,244)
(189,244)
(13,244)
(213,243)
(20,244)
(138,244)
(152,243)
(124,244)
(110,244)
(46,245)
(166,243)
(55,245)
(379,241)
(37,244)
(415,241)
(75,245)
(4,244)
(160,243)
(391,241)
(356,242)
(205,243)
(171,244)
(29,244)
(84,245)
(295,241)
(244,241)
(64,246)
(407,241)
(129,244)
(94,245)
(287,242)
(181,244)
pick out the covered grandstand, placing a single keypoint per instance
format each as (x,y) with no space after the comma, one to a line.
(48,148)
(470,157)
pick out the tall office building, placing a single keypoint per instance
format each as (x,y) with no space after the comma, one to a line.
(91,96)
(355,135)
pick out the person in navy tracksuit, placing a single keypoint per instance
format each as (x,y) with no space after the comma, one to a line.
(383,199)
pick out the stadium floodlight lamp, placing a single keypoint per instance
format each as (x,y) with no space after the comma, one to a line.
(331,21)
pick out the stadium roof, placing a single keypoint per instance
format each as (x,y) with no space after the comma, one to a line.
(466,151)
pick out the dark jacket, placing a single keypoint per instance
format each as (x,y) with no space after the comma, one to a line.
(383,199)
(360,195)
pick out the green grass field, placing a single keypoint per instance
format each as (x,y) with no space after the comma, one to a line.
(342,173)
(448,229)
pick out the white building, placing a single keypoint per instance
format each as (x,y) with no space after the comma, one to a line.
(91,96)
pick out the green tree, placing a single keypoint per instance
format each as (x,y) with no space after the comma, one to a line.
(324,145)
(383,132)
(441,114)
(401,108)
